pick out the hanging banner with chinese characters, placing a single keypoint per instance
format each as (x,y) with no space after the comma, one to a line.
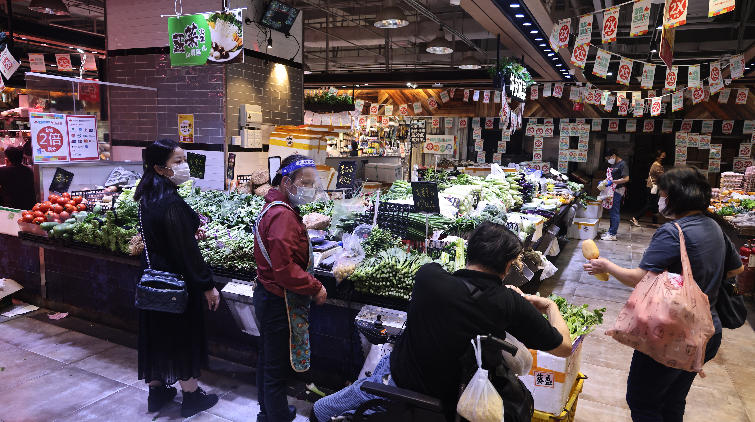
(715,80)
(748,127)
(707,126)
(698,94)
(579,55)
(497,97)
(693,140)
(534,92)
(677,100)
(723,96)
(675,13)
(37,62)
(602,60)
(585,30)
(206,38)
(560,34)
(610,24)
(623,106)
(463,123)
(693,76)
(625,71)
(49,136)
(448,122)
(671,76)
(388,110)
(640,18)
(609,102)
(719,7)
(358,105)
(547,90)
(655,106)
(63,62)
(417,108)
(558,90)
(466,95)
(476,95)
(489,122)
(435,122)
(596,125)
(639,108)
(631,125)
(686,126)
(444,96)
(403,110)
(374,108)
(486,97)
(432,103)
(475,122)
(704,142)
(742,95)
(575,94)
(680,139)
(727,126)
(668,126)
(613,125)
(648,126)
(737,66)
(648,74)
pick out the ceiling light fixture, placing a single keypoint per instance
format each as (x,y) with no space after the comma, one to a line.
(51,7)
(543,45)
(660,27)
(538,39)
(514,5)
(609,74)
(391,16)
(469,62)
(519,16)
(654,51)
(559,65)
(306,69)
(550,54)
(270,42)
(534,31)
(440,45)
(526,24)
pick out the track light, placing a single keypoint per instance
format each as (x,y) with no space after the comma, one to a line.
(391,16)
(270,42)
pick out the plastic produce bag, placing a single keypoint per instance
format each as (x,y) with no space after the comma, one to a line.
(348,259)
(480,401)
(122,177)
(343,210)
(521,364)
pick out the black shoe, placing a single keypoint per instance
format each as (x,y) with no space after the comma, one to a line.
(291,413)
(197,401)
(158,397)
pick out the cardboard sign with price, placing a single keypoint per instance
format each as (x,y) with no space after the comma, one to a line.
(49,135)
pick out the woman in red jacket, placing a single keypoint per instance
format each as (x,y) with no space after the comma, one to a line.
(285,285)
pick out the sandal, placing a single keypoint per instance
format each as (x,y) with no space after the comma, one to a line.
(635,222)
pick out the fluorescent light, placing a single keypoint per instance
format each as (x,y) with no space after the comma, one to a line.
(660,27)
(609,74)
(550,54)
(543,45)
(519,16)
(654,51)
(555,58)
(526,24)
(534,31)
(343,86)
(559,65)
(538,39)
(515,5)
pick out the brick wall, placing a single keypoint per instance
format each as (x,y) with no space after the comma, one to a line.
(20,263)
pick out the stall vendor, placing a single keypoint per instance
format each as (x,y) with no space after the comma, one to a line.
(619,172)
(285,285)
(17,181)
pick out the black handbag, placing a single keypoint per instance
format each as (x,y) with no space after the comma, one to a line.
(159,290)
(730,306)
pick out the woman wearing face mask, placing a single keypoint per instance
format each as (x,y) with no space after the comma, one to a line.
(172,347)
(656,392)
(656,170)
(620,174)
(285,285)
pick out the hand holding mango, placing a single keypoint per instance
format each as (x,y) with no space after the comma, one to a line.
(590,251)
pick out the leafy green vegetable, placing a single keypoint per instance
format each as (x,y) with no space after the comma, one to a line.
(579,320)
(747,204)
(379,240)
(320,207)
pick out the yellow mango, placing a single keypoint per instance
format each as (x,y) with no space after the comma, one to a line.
(590,251)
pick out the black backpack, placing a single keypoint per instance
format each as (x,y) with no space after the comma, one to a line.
(730,306)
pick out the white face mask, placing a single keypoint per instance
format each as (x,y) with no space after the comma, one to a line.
(302,196)
(181,173)
(662,206)
(611,161)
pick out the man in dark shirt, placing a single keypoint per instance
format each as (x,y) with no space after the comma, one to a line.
(620,174)
(17,181)
(443,318)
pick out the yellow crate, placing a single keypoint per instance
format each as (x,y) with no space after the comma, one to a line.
(567,415)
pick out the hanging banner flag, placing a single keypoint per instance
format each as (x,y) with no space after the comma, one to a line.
(719,7)
(560,34)
(88,61)
(466,95)
(358,105)
(649,126)
(432,103)
(609,102)
(745,150)
(64,62)
(374,109)
(206,38)
(504,115)
(497,97)
(686,126)
(558,90)
(579,55)
(451,92)
(671,74)
(486,97)
(648,75)
(602,60)
(388,110)
(723,96)
(639,108)
(737,66)
(534,92)
(680,140)
(675,13)
(417,108)
(475,122)
(585,30)
(655,106)
(631,125)
(742,95)
(476,95)
(37,62)
(385,121)
(668,126)
(727,126)
(502,147)
(610,24)
(590,96)
(489,122)
(449,122)
(613,125)
(715,80)
(597,125)
(436,122)
(625,71)
(677,100)
(748,127)
(444,96)
(403,110)
(547,90)
(623,106)
(693,76)
(640,18)
(704,142)
(697,95)
(667,45)
(463,123)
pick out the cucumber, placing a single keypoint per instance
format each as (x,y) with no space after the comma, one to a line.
(47,226)
(59,230)
(67,236)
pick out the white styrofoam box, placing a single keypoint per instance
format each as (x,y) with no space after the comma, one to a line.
(551,378)
(584,228)
(250,114)
(371,172)
(9,221)
(251,138)
(389,173)
(283,144)
(538,222)
(236,140)
(594,210)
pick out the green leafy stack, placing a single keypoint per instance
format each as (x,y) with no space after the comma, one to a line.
(379,240)
(579,320)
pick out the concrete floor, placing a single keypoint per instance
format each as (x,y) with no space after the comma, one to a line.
(52,372)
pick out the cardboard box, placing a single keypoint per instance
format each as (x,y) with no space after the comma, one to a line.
(584,228)
(9,221)
(551,378)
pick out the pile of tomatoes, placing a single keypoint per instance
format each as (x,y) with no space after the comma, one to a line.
(56,209)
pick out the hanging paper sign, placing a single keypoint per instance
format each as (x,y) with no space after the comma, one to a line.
(671,73)
(745,150)
(486,97)
(37,62)
(579,55)
(703,142)
(534,92)
(374,108)
(362,121)
(584,129)
(505,137)
(558,90)
(631,125)
(373,120)
(388,110)
(444,96)
(539,131)
(742,95)
(597,125)
(475,122)
(602,60)
(477,133)
(583,143)
(538,144)
(435,122)
(668,126)
(640,18)
(589,96)
(736,65)
(681,153)
(466,95)
(563,143)
(707,126)
(49,135)
(548,131)
(480,157)
(686,126)
(675,13)
(89,92)
(623,106)
(489,122)
(417,108)
(715,151)
(693,75)
(749,125)
(384,120)
(655,106)
(82,134)
(497,158)
(723,96)
(706,93)
(609,102)
(432,103)
(502,147)
(714,166)
(693,140)
(719,7)
(547,90)
(715,80)
(449,122)
(613,125)
(537,156)
(697,95)
(403,110)
(358,105)
(585,30)
(463,123)
(610,24)
(649,126)
(680,139)
(648,75)
(64,62)
(476,96)
(677,100)
(560,34)
(88,61)
(575,94)
(451,92)
(741,164)
(639,108)
(530,131)
(497,97)
(625,71)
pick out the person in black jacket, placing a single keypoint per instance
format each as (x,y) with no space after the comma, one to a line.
(17,181)
(172,347)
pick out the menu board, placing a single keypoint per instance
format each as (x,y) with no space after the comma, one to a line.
(82,137)
(230,173)
(346,171)
(197,163)
(49,137)
(417,132)
(61,181)
(425,196)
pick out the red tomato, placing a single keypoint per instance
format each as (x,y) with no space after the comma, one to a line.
(57,220)
(53,198)
(28,218)
(36,207)
(49,215)
(66,195)
(45,206)
(57,209)
(70,208)
(81,207)
(39,220)
(38,214)
(64,216)
(77,199)
(20,220)
(62,201)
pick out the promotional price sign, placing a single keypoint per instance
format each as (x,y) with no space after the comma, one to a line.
(723,96)
(714,166)
(439,144)
(82,137)
(481,157)
(610,24)
(609,102)
(466,95)
(432,103)
(677,100)
(613,125)
(745,150)
(585,30)
(742,95)
(693,140)
(625,71)
(502,147)
(489,122)
(675,13)
(698,94)
(640,18)
(718,7)
(186,128)
(417,108)
(558,90)
(623,106)
(748,126)
(737,66)
(37,62)
(374,108)
(49,137)
(534,90)
(715,79)
(648,75)
(693,76)
(668,126)
(671,76)
(425,195)
(649,126)
(741,164)
(560,35)
(583,142)
(579,55)
(206,38)
(64,62)
(631,125)
(680,139)
(602,60)
(703,142)
(686,126)
(463,122)
(707,126)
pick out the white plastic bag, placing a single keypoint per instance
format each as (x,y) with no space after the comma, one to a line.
(480,401)
(347,260)
(521,364)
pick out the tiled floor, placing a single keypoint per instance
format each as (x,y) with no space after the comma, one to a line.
(52,373)
(726,394)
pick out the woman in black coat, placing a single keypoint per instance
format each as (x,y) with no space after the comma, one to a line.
(172,347)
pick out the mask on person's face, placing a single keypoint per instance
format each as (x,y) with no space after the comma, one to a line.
(662,207)
(611,161)
(300,195)
(181,173)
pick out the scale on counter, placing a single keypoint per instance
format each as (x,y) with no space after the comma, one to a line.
(380,325)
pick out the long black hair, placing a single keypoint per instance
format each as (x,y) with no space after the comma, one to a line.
(286,161)
(153,185)
(493,246)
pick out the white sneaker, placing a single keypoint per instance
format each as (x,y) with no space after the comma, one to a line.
(608,236)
